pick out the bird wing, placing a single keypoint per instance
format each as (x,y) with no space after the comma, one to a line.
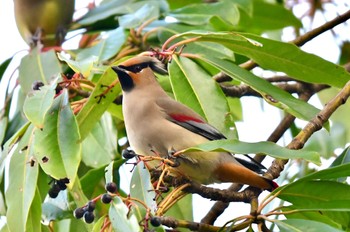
(188,119)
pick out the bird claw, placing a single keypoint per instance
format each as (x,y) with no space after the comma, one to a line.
(174,161)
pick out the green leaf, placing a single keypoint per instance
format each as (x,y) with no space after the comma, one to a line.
(112,171)
(198,14)
(108,9)
(182,209)
(22,179)
(106,48)
(3,127)
(96,105)
(195,88)
(279,56)
(37,66)
(34,216)
(3,66)
(141,188)
(10,144)
(91,180)
(146,12)
(329,173)
(83,65)
(37,104)
(316,195)
(300,225)
(267,148)
(343,158)
(99,141)
(271,93)
(57,145)
(264,15)
(339,220)
(121,220)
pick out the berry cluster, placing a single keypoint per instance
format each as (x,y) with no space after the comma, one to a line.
(57,186)
(87,211)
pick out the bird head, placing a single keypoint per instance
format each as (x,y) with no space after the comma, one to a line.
(138,71)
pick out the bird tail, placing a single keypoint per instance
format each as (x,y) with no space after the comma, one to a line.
(233,172)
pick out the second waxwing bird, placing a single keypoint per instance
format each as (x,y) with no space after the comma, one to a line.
(156,124)
(44,20)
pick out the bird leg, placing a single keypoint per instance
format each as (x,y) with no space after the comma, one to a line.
(174,161)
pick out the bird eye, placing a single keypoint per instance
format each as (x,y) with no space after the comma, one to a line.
(137,68)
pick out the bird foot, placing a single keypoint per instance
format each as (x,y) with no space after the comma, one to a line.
(174,160)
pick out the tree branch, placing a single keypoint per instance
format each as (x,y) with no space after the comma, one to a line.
(314,125)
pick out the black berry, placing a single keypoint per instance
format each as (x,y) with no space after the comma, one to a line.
(106,198)
(128,154)
(89,217)
(79,213)
(61,184)
(91,206)
(111,187)
(58,89)
(65,180)
(155,221)
(54,190)
(37,84)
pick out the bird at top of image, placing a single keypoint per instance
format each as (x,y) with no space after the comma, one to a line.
(157,125)
(43,21)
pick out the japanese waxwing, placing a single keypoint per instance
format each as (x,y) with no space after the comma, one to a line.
(158,125)
(44,20)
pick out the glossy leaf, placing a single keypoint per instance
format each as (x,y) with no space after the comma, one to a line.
(343,158)
(37,66)
(106,48)
(57,145)
(339,220)
(263,17)
(268,148)
(271,93)
(195,88)
(98,102)
(34,218)
(3,66)
(146,12)
(116,7)
(141,187)
(112,171)
(279,56)
(37,104)
(120,219)
(99,141)
(22,178)
(182,209)
(197,14)
(84,65)
(3,127)
(298,225)
(315,195)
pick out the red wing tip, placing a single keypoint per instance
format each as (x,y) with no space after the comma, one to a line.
(274,185)
(185,118)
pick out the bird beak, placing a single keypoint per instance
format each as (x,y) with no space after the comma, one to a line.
(119,70)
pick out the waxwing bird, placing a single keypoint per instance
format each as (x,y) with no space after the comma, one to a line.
(156,124)
(43,20)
